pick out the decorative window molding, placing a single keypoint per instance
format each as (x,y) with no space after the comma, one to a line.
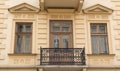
(98,9)
(24,7)
(15,33)
(110,48)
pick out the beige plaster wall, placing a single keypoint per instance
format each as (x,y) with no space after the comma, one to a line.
(99,69)
(12,3)
(17,69)
(116,30)
(107,3)
(41,29)
(79,30)
(3,32)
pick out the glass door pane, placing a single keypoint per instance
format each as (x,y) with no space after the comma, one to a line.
(56,27)
(66,41)
(56,42)
(66,27)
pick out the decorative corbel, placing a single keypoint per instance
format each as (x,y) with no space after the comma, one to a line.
(80,5)
(42,5)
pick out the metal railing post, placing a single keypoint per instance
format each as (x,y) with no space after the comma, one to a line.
(40,55)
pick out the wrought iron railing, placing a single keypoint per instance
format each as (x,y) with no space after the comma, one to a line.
(62,56)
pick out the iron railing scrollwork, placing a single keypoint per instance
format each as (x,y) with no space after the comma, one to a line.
(62,56)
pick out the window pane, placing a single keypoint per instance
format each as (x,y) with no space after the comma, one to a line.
(27,44)
(99,42)
(95,47)
(65,27)
(24,28)
(20,28)
(102,29)
(56,27)
(103,44)
(23,43)
(93,28)
(19,44)
(56,42)
(28,28)
(65,41)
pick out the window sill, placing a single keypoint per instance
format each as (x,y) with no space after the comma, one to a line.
(100,54)
(21,54)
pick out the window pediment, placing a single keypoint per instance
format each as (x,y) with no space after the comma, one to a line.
(24,7)
(98,9)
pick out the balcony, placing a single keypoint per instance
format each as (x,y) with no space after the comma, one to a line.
(62,56)
(61,4)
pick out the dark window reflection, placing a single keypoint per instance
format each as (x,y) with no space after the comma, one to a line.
(56,42)
(65,41)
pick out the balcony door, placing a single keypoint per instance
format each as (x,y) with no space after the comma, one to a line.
(61,40)
(61,34)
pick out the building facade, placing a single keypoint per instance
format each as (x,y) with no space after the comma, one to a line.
(59,35)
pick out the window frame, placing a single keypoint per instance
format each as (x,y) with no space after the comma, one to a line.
(98,35)
(22,34)
(60,33)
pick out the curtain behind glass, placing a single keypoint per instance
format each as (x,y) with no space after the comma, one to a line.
(103,44)
(56,42)
(27,44)
(23,37)
(95,47)
(19,44)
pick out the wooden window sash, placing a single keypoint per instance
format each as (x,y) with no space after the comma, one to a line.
(23,34)
(99,35)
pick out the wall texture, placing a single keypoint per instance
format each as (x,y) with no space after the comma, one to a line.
(40,21)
